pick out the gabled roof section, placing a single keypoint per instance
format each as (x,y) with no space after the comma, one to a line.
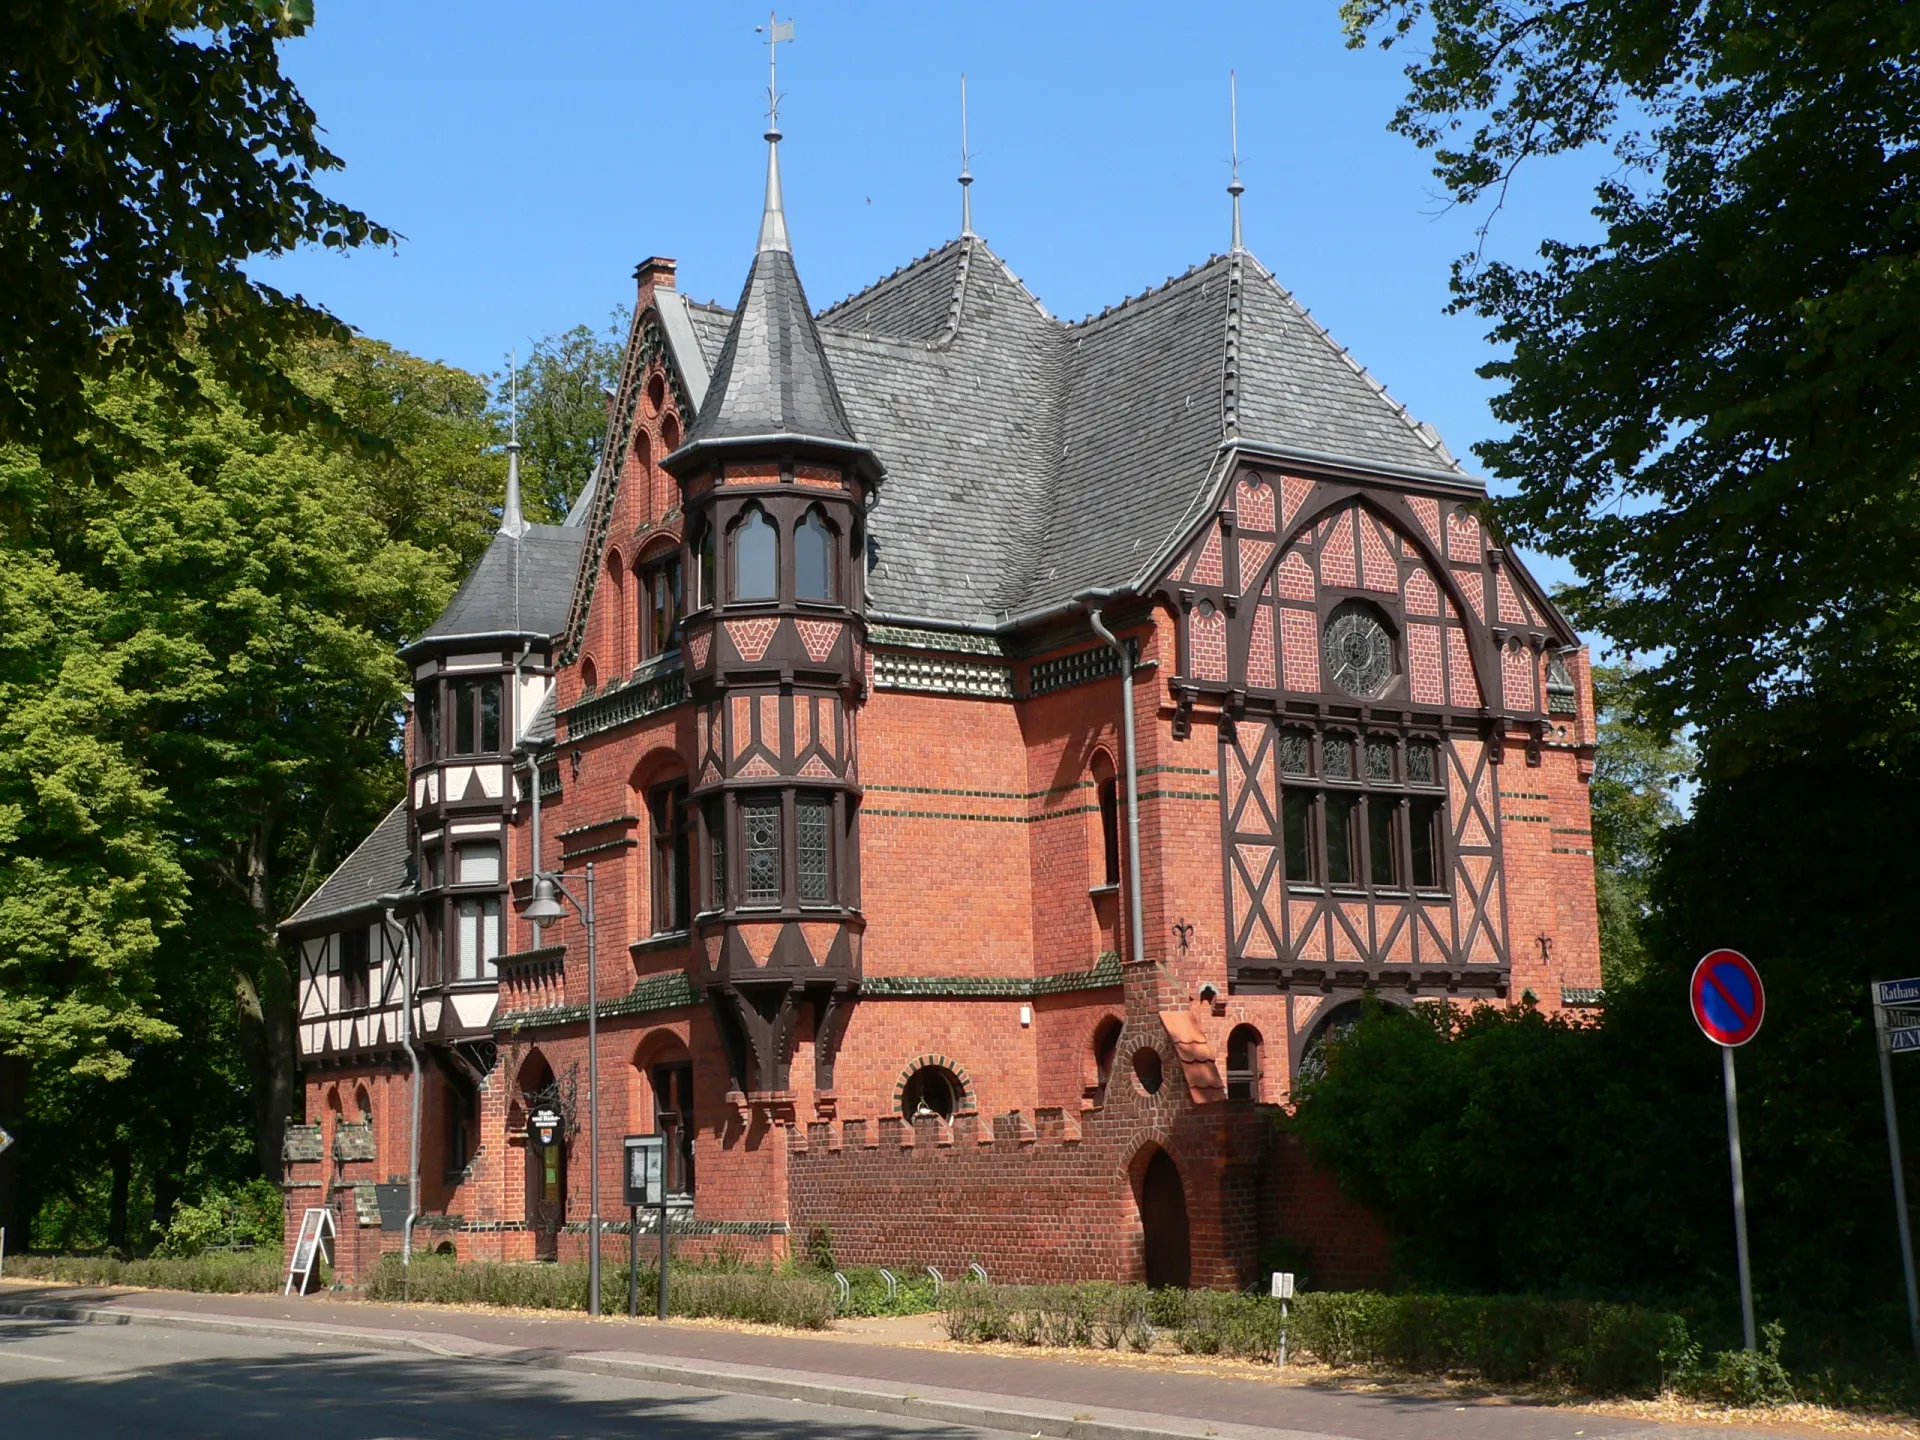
(522,586)
(377,867)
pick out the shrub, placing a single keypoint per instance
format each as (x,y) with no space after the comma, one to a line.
(1608,1349)
(1740,1377)
(798,1300)
(251,1215)
(215,1272)
(867,1292)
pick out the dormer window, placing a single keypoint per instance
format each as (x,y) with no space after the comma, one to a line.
(476,717)
(813,558)
(756,558)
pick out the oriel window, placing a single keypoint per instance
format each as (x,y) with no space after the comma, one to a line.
(813,558)
(477,930)
(760,836)
(476,716)
(813,824)
(756,558)
(426,717)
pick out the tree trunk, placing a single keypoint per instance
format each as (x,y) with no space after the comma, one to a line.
(263,999)
(120,1161)
(168,1182)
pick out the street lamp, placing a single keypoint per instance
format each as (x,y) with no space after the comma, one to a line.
(543,909)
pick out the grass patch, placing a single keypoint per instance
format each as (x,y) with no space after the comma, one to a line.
(251,1272)
(769,1297)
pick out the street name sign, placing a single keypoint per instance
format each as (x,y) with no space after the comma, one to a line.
(1897,992)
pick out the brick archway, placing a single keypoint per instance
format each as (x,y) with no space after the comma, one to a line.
(966,1103)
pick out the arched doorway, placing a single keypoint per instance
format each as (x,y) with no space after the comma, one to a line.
(1163,1222)
(546,1164)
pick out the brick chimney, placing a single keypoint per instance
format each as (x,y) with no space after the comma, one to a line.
(654,272)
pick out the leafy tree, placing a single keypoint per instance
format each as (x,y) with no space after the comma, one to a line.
(1712,406)
(1636,772)
(146,151)
(239,594)
(563,393)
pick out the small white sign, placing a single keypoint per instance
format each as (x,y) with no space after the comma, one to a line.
(1283,1284)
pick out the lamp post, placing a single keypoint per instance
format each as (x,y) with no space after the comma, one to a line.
(543,909)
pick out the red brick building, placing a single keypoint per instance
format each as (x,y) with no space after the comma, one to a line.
(920,926)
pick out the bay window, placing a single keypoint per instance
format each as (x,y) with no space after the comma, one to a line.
(1361,811)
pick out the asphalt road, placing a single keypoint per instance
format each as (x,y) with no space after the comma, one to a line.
(59,1379)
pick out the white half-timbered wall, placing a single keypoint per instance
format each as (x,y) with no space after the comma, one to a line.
(325,1025)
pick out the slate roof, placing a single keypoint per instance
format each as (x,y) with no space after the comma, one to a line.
(771,376)
(520,587)
(1029,460)
(377,867)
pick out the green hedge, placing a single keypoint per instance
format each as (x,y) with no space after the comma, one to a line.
(1606,1349)
(216,1272)
(769,1297)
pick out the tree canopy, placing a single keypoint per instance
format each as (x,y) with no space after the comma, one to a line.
(562,391)
(146,152)
(1712,406)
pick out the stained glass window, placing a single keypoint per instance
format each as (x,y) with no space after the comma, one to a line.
(1421,769)
(1379,758)
(1337,752)
(760,827)
(1296,752)
(814,818)
(1358,650)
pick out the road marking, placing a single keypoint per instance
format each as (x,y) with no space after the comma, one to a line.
(23,1355)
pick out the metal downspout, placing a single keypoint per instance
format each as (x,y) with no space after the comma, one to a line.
(1136,913)
(413,1056)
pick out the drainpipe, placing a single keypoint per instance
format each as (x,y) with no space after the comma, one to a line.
(389,902)
(1135,913)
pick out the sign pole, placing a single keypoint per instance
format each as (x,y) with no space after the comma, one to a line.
(1884,1044)
(1739,1199)
(661,1307)
(633,1262)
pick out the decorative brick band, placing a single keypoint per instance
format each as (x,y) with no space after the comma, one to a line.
(1104,975)
(669,990)
(943,677)
(1082,667)
(623,704)
(900,637)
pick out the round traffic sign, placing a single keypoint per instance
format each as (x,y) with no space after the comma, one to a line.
(1728,1000)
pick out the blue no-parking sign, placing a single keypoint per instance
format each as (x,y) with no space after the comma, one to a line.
(1728,1000)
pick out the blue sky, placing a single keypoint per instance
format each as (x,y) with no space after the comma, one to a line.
(531,155)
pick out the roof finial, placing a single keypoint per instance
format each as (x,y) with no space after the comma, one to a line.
(773,222)
(512,522)
(966,171)
(1234,187)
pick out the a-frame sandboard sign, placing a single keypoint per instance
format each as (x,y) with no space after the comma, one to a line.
(314,1225)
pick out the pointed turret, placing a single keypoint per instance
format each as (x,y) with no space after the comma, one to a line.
(771,380)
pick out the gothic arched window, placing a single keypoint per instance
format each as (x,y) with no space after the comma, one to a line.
(813,558)
(756,558)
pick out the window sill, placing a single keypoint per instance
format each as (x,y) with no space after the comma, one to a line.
(1098,892)
(665,940)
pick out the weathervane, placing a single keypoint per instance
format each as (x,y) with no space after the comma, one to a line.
(966,166)
(775,31)
(1234,187)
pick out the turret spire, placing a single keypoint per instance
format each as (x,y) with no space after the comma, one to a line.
(773,222)
(1234,187)
(512,522)
(966,166)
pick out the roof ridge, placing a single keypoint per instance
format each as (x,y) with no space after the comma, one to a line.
(1423,432)
(822,317)
(1150,293)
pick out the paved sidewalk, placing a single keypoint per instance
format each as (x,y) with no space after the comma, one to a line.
(1031,1396)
